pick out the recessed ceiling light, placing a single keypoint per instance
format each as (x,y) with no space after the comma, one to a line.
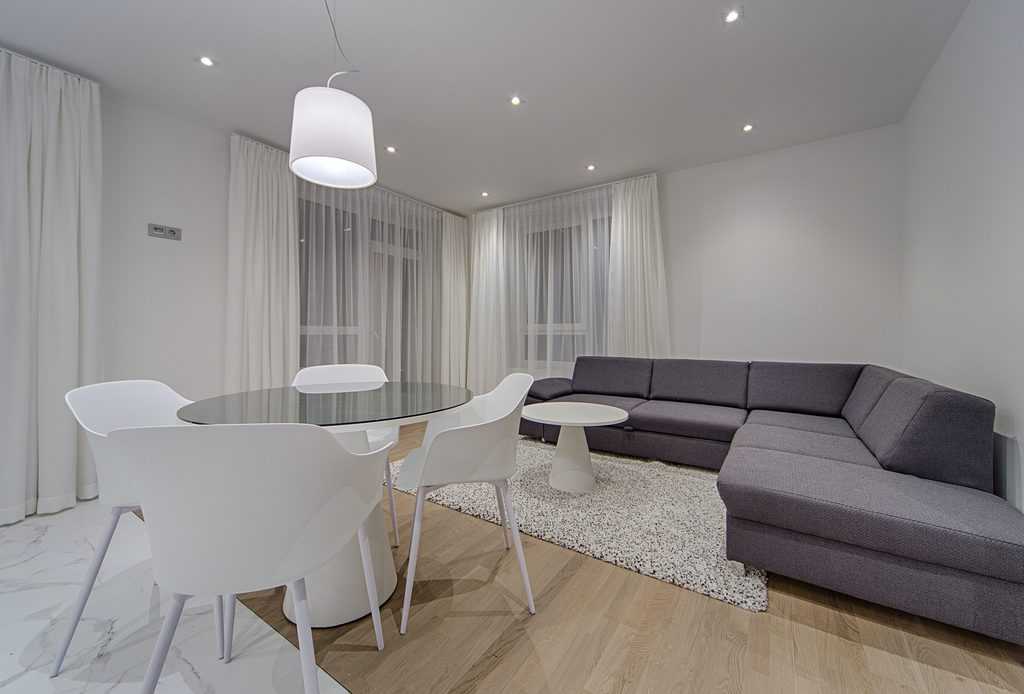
(484,194)
(515,100)
(590,167)
(747,128)
(391,149)
(731,16)
(208,62)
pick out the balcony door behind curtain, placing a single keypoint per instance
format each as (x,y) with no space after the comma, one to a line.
(558,289)
(371,268)
(567,275)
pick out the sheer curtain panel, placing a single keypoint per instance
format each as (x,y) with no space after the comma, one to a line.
(50,193)
(262,322)
(454,298)
(566,275)
(382,282)
(637,290)
(540,285)
(489,306)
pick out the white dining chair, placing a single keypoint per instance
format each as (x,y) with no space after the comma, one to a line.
(327,374)
(474,443)
(101,408)
(235,508)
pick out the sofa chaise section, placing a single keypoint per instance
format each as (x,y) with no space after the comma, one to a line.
(925,520)
(937,550)
(900,513)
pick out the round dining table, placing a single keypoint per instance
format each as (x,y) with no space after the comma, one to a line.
(337,591)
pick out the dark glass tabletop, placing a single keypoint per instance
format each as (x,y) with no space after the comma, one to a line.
(333,404)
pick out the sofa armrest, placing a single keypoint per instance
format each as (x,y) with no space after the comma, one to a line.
(549,388)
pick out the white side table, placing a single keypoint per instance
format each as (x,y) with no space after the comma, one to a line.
(571,470)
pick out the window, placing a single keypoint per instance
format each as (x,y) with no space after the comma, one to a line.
(371,281)
(330,322)
(566,295)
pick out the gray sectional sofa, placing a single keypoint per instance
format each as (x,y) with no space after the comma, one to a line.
(853,477)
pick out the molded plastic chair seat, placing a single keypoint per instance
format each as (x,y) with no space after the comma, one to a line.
(101,408)
(475,443)
(327,374)
(289,498)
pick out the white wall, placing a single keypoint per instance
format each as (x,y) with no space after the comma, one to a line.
(964,280)
(793,255)
(164,301)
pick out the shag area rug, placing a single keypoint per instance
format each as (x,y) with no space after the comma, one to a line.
(658,520)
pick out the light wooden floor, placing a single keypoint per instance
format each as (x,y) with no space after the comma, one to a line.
(602,629)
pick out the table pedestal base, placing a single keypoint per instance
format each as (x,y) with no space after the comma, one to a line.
(337,590)
(571,470)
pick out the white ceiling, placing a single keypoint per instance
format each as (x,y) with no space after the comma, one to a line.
(630,86)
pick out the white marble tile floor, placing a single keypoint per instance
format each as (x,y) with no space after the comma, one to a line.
(42,561)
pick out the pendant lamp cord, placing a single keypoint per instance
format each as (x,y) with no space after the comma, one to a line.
(334,29)
(337,42)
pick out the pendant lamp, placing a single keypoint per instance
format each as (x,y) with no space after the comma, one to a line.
(332,138)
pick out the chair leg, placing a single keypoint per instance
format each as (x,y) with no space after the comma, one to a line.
(218,612)
(410,573)
(310,685)
(514,526)
(229,625)
(371,585)
(87,584)
(391,499)
(501,514)
(163,643)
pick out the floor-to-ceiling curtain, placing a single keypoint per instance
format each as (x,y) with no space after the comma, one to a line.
(50,196)
(489,359)
(454,298)
(566,275)
(377,269)
(637,291)
(262,321)
(540,285)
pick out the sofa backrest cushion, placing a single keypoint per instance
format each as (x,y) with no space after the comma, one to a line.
(612,376)
(872,383)
(923,429)
(700,380)
(795,387)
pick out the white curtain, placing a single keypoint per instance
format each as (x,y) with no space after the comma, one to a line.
(454,298)
(50,193)
(489,357)
(637,291)
(262,321)
(540,285)
(563,276)
(377,269)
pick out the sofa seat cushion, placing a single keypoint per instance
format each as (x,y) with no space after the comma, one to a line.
(695,420)
(844,448)
(547,388)
(836,426)
(873,508)
(622,402)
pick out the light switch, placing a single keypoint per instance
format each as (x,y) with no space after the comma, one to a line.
(164,232)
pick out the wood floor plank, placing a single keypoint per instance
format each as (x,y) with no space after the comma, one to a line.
(601,629)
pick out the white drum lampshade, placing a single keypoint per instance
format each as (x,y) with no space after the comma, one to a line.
(332,139)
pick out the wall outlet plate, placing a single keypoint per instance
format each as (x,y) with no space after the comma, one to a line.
(162,231)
